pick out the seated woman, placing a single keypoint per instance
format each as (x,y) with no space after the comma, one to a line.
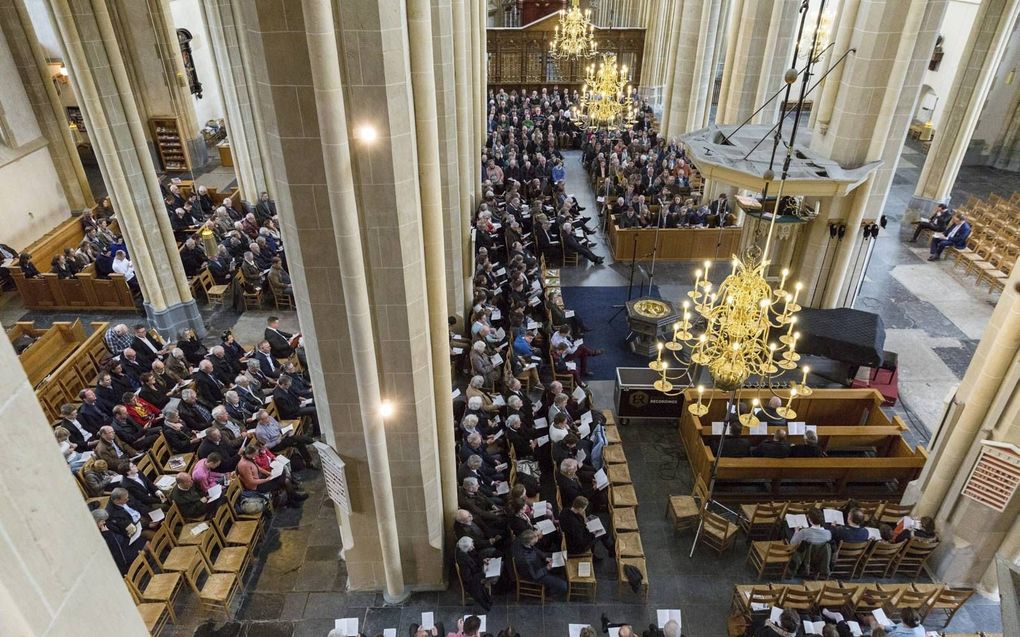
(98,477)
(27,267)
(59,267)
(255,478)
(75,459)
(194,350)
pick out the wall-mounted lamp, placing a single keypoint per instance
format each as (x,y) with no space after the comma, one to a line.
(386,409)
(61,75)
(366,133)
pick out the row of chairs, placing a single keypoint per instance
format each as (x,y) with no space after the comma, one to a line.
(872,558)
(763,521)
(853,601)
(994,242)
(219,293)
(208,557)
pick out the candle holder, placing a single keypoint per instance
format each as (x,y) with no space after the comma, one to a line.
(657,364)
(787,412)
(749,419)
(662,384)
(699,408)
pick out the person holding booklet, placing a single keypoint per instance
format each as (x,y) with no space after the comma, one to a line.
(472,567)
(580,538)
(255,478)
(535,564)
(276,438)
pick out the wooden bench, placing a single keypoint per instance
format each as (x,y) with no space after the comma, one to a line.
(75,373)
(51,348)
(766,479)
(674,244)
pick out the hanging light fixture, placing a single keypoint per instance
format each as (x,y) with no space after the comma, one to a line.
(575,35)
(606,100)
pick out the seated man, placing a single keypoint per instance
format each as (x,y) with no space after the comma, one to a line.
(735,445)
(269,432)
(124,553)
(470,499)
(769,414)
(854,530)
(112,449)
(816,533)
(936,223)
(292,406)
(191,500)
(117,339)
(775,447)
(464,525)
(533,564)
(574,524)
(956,236)
(214,443)
(126,520)
(576,350)
(809,449)
(471,569)
(573,246)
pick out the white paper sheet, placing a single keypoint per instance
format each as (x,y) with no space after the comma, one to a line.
(601,479)
(834,516)
(796,521)
(541,423)
(214,492)
(664,616)
(578,394)
(595,526)
(874,534)
(575,629)
(539,509)
(502,488)
(493,566)
(347,626)
(545,527)
(156,515)
(427,621)
(584,569)
(881,617)
(796,429)
(542,441)
(717,428)
(568,313)
(559,559)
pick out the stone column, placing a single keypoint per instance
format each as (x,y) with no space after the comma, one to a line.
(873,105)
(694,68)
(233,66)
(100,81)
(152,58)
(49,113)
(985,408)
(470,179)
(656,35)
(981,56)
(349,80)
(669,64)
(427,131)
(58,574)
(449,166)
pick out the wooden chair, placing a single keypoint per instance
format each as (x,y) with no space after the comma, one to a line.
(848,559)
(747,598)
(163,455)
(566,378)
(684,510)
(618,474)
(760,522)
(948,601)
(225,559)
(717,532)
(281,300)
(612,433)
(161,588)
(527,588)
(215,591)
(623,519)
(892,513)
(155,615)
(233,532)
(463,591)
(253,297)
(628,544)
(912,559)
(566,257)
(879,559)
(907,597)
(621,575)
(613,454)
(799,598)
(835,598)
(585,587)
(623,495)
(770,557)
(170,558)
(183,531)
(870,597)
(214,292)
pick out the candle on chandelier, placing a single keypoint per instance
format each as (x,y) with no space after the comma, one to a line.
(793,321)
(796,291)
(701,391)
(803,381)
(793,394)
(782,282)
(659,346)
(697,279)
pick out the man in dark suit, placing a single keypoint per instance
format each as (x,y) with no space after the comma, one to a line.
(265,209)
(775,447)
(209,389)
(92,413)
(470,499)
(534,564)
(574,524)
(81,436)
(268,364)
(130,431)
(223,370)
(279,340)
(192,413)
(132,366)
(770,414)
(214,442)
(145,347)
(125,519)
(809,449)
(292,406)
(571,244)
(956,237)
(735,445)
(464,525)
(142,493)
(471,569)
(936,223)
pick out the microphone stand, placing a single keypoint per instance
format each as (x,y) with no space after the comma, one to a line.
(655,248)
(731,406)
(630,284)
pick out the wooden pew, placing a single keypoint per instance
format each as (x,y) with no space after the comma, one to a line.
(674,244)
(74,374)
(51,348)
(85,291)
(845,418)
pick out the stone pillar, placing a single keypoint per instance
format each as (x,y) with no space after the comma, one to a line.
(694,67)
(449,166)
(846,18)
(161,88)
(669,64)
(470,178)
(346,72)
(873,105)
(651,82)
(58,574)
(423,81)
(981,56)
(230,51)
(49,113)
(985,408)
(100,81)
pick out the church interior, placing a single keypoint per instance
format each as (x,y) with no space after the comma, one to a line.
(358,318)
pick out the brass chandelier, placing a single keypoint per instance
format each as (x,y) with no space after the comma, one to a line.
(606,95)
(575,35)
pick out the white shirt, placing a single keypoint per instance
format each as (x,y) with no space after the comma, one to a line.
(123,266)
(84,434)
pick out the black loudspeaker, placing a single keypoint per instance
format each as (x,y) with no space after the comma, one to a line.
(883,221)
(842,230)
(833,229)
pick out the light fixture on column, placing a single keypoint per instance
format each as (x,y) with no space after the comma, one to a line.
(386,409)
(575,35)
(366,133)
(606,97)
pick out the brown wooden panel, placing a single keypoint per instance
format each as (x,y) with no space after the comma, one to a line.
(674,244)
